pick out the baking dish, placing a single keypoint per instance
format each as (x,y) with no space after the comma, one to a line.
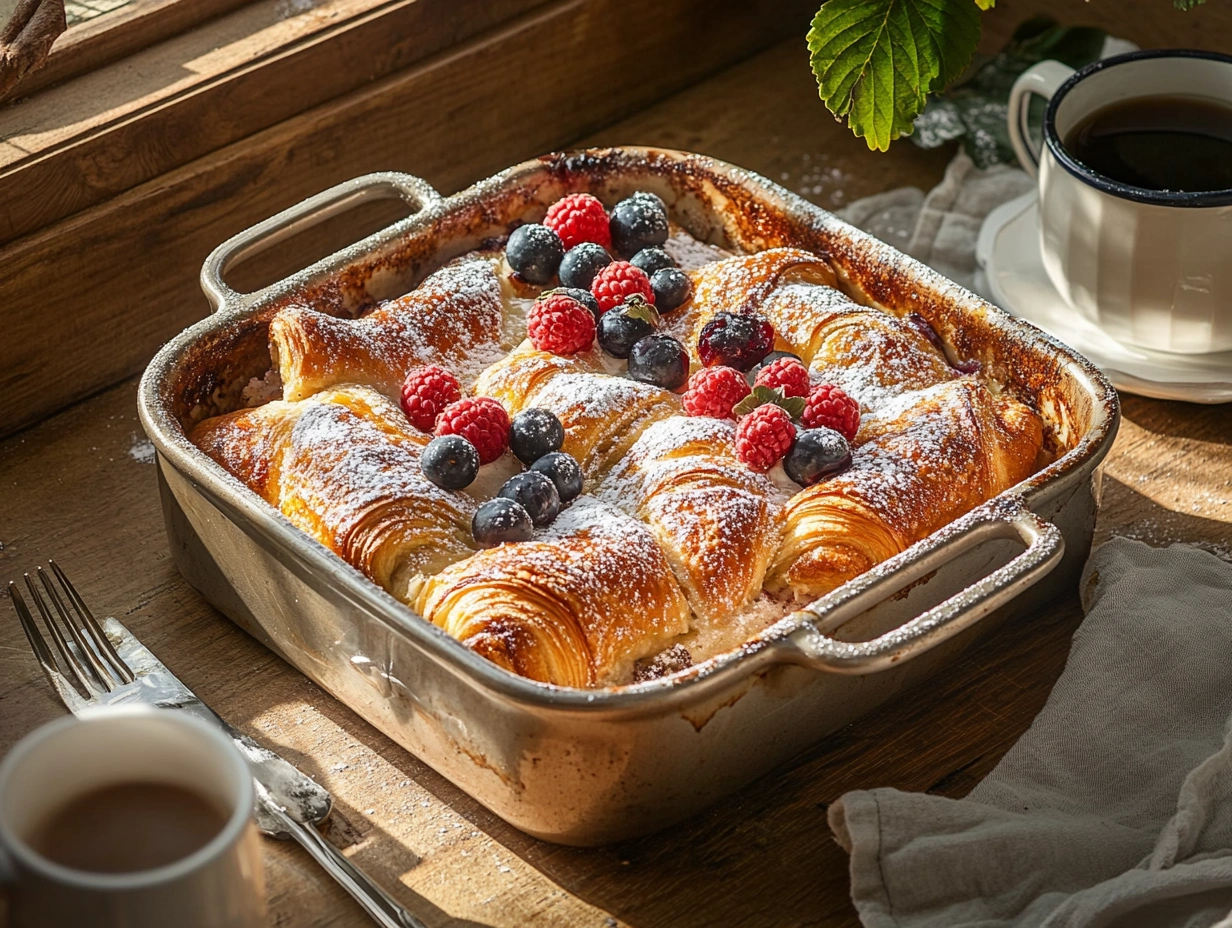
(592,766)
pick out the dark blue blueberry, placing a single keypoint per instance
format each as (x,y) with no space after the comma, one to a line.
(768,360)
(638,222)
(450,461)
(619,331)
(816,453)
(536,493)
(534,433)
(564,471)
(581,263)
(586,298)
(651,260)
(500,520)
(659,360)
(671,288)
(534,251)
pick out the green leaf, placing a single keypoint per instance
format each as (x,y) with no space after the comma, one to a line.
(985,4)
(762,396)
(876,61)
(637,307)
(1187,4)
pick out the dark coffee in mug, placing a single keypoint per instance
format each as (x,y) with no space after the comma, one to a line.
(128,827)
(1158,143)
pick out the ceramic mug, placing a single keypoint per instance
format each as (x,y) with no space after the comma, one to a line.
(220,884)
(1151,267)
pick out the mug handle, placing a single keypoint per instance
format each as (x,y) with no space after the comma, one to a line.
(1043,79)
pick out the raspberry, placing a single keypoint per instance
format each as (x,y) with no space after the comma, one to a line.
(764,436)
(560,324)
(482,421)
(577,218)
(619,281)
(830,407)
(713,391)
(786,374)
(425,392)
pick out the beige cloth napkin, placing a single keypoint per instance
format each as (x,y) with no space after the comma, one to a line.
(1114,810)
(941,227)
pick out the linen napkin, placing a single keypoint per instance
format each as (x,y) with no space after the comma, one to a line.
(941,227)
(1115,808)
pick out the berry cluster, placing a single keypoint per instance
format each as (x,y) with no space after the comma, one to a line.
(476,430)
(736,349)
(576,243)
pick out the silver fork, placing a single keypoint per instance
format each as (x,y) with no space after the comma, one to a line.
(112,667)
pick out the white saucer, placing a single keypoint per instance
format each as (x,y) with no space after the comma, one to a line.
(1008,251)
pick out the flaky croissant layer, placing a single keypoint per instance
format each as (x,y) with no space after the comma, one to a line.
(674,539)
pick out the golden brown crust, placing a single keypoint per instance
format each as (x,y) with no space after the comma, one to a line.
(575,607)
(948,449)
(717,521)
(454,314)
(343,469)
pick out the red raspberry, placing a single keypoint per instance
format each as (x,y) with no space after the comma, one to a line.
(764,436)
(425,392)
(830,407)
(786,374)
(482,421)
(619,281)
(560,324)
(713,391)
(578,218)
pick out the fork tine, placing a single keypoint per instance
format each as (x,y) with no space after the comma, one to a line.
(92,628)
(57,636)
(33,635)
(101,672)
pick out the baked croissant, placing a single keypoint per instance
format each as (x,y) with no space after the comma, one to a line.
(717,521)
(343,466)
(602,414)
(454,316)
(574,607)
(871,354)
(948,449)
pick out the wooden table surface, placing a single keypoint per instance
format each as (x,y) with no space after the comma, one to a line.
(80,487)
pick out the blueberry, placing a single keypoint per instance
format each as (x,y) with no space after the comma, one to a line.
(660,360)
(619,331)
(534,433)
(564,471)
(638,222)
(816,453)
(652,259)
(534,492)
(450,461)
(767,361)
(671,288)
(499,520)
(586,298)
(534,251)
(581,263)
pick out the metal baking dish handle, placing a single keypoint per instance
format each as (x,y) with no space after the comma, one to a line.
(1008,518)
(303,215)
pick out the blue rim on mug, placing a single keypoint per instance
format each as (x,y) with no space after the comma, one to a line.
(1107,184)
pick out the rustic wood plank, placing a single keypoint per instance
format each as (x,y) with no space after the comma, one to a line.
(446,120)
(77,144)
(104,39)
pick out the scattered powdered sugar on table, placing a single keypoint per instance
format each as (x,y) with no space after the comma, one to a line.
(141,450)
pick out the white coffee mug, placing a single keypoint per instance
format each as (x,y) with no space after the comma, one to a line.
(220,884)
(1150,267)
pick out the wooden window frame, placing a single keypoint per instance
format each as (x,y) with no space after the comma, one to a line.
(128,174)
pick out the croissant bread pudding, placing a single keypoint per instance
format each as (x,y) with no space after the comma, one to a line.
(603,451)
